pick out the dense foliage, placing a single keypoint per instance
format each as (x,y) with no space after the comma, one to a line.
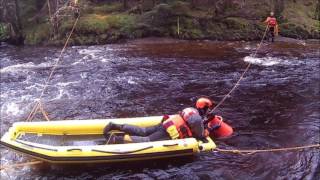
(105,21)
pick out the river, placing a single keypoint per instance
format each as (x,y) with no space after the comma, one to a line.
(276,105)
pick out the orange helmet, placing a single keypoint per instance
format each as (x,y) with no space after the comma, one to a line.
(204,103)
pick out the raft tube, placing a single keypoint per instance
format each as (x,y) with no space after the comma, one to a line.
(18,139)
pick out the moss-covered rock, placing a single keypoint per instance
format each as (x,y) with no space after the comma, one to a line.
(293,31)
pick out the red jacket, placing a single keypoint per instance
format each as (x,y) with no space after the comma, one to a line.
(271,21)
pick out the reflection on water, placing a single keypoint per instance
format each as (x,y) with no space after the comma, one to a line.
(276,105)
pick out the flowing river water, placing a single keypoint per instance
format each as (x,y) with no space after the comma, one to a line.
(277,104)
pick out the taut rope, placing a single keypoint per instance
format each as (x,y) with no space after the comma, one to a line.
(252,151)
(242,75)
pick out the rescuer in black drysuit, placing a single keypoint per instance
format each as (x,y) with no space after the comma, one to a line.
(189,123)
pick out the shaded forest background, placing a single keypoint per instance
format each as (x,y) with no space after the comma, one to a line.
(47,22)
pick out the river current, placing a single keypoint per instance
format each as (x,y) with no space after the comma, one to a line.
(276,105)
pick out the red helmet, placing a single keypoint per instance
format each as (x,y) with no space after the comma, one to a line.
(204,103)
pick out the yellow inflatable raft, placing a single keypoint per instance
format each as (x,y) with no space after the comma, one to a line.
(82,141)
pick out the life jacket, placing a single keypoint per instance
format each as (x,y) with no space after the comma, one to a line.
(177,127)
(272,22)
(187,112)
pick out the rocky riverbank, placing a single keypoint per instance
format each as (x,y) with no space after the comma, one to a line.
(112,21)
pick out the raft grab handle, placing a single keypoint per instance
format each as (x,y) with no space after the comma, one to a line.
(169,145)
(122,152)
(74,149)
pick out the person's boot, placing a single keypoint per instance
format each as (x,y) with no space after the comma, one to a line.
(109,127)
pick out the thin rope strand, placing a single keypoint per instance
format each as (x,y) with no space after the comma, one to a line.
(31,115)
(242,75)
(252,151)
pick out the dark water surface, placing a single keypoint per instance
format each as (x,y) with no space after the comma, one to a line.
(276,105)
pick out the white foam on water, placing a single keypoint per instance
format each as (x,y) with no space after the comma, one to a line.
(129,80)
(104,60)
(89,53)
(83,75)
(62,92)
(24,67)
(64,84)
(247,47)
(266,61)
(34,85)
(10,109)
(78,62)
(4,59)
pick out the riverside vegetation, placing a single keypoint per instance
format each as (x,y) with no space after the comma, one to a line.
(109,21)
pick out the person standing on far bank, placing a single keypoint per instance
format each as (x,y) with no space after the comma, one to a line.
(272,23)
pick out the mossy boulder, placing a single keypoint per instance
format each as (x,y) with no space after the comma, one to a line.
(293,31)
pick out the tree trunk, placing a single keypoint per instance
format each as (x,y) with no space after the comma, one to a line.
(10,15)
(193,4)
(125,4)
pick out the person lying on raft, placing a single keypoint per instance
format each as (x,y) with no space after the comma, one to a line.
(190,123)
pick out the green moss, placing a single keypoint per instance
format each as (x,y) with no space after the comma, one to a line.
(99,24)
(106,8)
(124,22)
(93,23)
(4,34)
(293,31)
(237,23)
(181,8)
(301,13)
(37,34)
(190,28)
(98,29)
